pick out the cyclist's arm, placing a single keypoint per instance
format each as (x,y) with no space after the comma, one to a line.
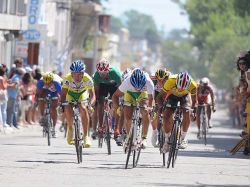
(63,94)
(92,96)
(160,98)
(212,96)
(115,98)
(194,99)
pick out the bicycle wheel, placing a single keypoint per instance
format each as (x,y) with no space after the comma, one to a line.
(204,126)
(177,138)
(130,144)
(136,156)
(172,142)
(48,129)
(161,140)
(108,135)
(78,144)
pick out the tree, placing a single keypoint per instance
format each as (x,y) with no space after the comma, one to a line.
(139,23)
(220,31)
(115,24)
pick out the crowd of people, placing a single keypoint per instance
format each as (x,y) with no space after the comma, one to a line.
(17,95)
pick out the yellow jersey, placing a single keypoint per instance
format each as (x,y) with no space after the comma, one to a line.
(170,85)
(85,84)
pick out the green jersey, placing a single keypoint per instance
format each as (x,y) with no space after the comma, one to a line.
(113,78)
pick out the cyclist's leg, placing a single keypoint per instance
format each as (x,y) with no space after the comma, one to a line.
(143,102)
(69,120)
(209,113)
(104,90)
(54,105)
(185,103)
(198,120)
(85,125)
(167,126)
(94,122)
(111,90)
(128,111)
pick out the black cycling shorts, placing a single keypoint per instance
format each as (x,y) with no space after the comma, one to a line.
(105,89)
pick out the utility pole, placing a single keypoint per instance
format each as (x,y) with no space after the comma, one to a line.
(96,34)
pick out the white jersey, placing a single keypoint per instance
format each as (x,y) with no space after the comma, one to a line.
(127,86)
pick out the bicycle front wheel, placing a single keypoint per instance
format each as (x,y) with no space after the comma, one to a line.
(48,130)
(173,142)
(130,144)
(176,149)
(108,135)
(204,126)
(78,142)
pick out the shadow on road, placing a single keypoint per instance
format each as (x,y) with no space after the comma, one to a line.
(192,185)
(45,161)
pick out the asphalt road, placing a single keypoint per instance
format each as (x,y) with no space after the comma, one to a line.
(26,160)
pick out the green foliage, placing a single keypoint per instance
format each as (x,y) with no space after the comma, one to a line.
(115,24)
(139,23)
(220,29)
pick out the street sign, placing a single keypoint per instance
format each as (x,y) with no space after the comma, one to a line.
(32,35)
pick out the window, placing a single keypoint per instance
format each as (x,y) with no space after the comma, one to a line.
(3,6)
(12,6)
(21,8)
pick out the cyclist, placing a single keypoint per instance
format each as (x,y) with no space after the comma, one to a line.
(205,95)
(78,86)
(160,77)
(106,81)
(49,85)
(137,87)
(178,87)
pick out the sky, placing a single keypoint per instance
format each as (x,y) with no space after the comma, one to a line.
(166,14)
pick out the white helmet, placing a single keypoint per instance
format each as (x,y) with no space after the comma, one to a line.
(183,80)
(126,73)
(204,81)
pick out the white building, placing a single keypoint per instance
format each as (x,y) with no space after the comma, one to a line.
(12,21)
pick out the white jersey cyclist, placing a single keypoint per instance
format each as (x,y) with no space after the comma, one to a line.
(127,86)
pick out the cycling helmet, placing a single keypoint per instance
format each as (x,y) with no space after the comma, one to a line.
(183,80)
(138,79)
(77,66)
(48,77)
(125,74)
(204,81)
(103,65)
(162,74)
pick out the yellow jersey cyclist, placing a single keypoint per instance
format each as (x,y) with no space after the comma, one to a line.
(106,81)
(159,78)
(137,87)
(49,85)
(179,87)
(78,86)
